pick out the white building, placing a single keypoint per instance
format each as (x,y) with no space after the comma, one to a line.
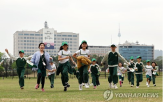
(29,41)
(99,50)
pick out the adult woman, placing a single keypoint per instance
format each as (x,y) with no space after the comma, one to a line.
(41,59)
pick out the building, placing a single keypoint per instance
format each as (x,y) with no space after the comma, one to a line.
(135,49)
(29,41)
(158,53)
(99,50)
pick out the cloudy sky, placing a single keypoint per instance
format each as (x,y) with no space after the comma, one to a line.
(95,20)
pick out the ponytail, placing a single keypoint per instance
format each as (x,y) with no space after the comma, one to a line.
(80,47)
(61,48)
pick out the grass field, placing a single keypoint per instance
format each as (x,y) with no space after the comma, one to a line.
(10,91)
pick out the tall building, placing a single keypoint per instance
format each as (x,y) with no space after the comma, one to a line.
(135,49)
(29,41)
(99,50)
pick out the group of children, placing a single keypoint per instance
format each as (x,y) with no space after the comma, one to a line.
(43,62)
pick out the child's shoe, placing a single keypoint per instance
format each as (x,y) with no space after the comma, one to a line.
(37,86)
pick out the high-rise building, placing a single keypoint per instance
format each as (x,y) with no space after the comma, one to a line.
(135,49)
(29,41)
(99,50)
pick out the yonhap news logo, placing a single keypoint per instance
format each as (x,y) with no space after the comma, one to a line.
(108,95)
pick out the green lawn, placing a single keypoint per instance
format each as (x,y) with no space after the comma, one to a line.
(10,91)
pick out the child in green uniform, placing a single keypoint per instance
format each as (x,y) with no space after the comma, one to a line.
(148,70)
(94,70)
(64,65)
(154,72)
(41,59)
(112,58)
(51,73)
(83,71)
(130,71)
(139,68)
(76,72)
(20,63)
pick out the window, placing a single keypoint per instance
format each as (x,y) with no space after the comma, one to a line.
(31,34)
(26,34)
(37,34)
(69,35)
(74,35)
(58,35)
(20,34)
(24,37)
(64,35)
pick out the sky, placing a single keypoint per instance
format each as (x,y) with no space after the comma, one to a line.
(96,21)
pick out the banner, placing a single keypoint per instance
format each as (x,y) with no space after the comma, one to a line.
(48,38)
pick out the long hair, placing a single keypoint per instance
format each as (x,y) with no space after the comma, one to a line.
(154,63)
(61,48)
(80,47)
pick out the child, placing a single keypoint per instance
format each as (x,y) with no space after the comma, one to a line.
(51,73)
(139,68)
(41,59)
(112,58)
(76,72)
(64,65)
(94,70)
(20,63)
(154,72)
(83,70)
(121,71)
(130,71)
(148,69)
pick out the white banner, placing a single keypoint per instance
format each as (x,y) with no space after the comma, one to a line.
(48,38)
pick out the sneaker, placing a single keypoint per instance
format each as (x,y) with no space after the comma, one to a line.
(83,84)
(68,85)
(42,90)
(115,86)
(137,86)
(94,87)
(21,87)
(122,82)
(132,85)
(80,86)
(146,83)
(120,85)
(65,88)
(52,86)
(86,85)
(111,85)
(37,86)
(154,84)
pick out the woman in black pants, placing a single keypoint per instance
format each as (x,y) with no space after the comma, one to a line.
(41,59)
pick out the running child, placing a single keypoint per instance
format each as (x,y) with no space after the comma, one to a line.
(64,65)
(83,70)
(51,73)
(94,70)
(148,70)
(154,72)
(139,68)
(130,71)
(121,71)
(112,58)
(20,63)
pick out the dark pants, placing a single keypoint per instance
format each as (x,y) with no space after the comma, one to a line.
(83,74)
(113,75)
(21,72)
(40,78)
(131,77)
(94,79)
(51,78)
(97,80)
(153,78)
(64,75)
(139,78)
